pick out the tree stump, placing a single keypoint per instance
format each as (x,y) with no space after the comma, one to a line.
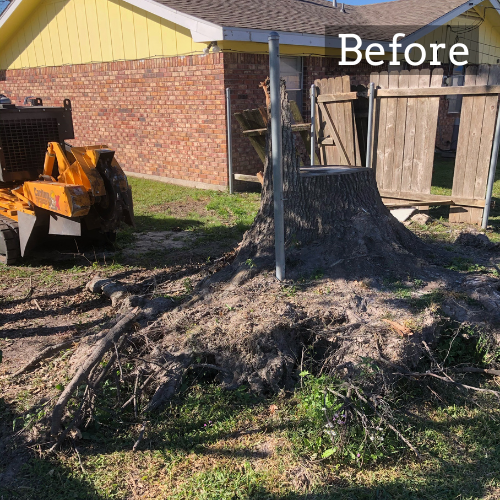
(333,218)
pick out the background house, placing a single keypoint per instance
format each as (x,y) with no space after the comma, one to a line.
(149,77)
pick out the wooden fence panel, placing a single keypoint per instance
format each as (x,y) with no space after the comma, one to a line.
(400,133)
(410,131)
(477,128)
(335,125)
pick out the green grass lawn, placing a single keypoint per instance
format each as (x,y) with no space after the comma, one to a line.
(214,444)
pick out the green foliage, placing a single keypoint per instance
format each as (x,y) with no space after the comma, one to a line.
(328,428)
(465,265)
(468,345)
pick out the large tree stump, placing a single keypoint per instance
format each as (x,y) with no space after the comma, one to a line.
(334,220)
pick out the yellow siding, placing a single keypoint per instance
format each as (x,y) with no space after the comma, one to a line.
(61,32)
(483,41)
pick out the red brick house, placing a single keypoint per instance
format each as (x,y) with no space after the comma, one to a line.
(149,77)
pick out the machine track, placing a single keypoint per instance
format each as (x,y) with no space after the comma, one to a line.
(10,250)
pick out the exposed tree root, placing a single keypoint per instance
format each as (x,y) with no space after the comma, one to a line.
(83,373)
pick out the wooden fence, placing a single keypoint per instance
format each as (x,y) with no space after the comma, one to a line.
(404,135)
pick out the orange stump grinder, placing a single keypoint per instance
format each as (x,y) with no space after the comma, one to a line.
(48,187)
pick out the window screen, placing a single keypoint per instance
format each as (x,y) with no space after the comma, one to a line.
(291,71)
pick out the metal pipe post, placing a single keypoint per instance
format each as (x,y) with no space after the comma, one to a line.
(491,177)
(313,120)
(276,154)
(229,142)
(369,140)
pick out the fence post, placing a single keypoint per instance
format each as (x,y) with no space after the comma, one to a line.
(491,177)
(369,139)
(229,141)
(313,120)
(276,155)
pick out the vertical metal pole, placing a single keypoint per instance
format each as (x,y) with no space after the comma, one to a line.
(369,140)
(491,178)
(313,120)
(276,154)
(229,141)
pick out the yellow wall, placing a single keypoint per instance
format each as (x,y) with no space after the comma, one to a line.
(58,32)
(61,32)
(483,41)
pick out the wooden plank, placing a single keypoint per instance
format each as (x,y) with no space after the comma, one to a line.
(246,178)
(297,115)
(336,135)
(296,127)
(420,130)
(410,131)
(400,132)
(382,120)
(438,92)
(423,204)
(390,134)
(331,153)
(338,153)
(475,135)
(324,128)
(257,144)
(431,121)
(344,96)
(463,144)
(485,148)
(346,108)
(431,198)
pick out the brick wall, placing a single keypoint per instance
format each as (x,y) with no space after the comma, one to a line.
(165,117)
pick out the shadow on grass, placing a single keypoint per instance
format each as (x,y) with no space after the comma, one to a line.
(462,455)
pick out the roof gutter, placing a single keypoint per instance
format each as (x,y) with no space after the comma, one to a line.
(290,38)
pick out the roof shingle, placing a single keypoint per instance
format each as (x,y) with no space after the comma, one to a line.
(374,21)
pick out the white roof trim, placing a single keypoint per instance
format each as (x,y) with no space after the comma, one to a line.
(289,38)
(8,11)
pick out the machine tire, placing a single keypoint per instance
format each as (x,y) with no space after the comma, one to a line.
(10,250)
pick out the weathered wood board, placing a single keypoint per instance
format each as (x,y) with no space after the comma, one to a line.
(477,128)
(336,131)
(405,126)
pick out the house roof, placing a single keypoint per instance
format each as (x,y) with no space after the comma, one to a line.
(313,23)
(374,21)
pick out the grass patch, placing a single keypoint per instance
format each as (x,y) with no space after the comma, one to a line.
(166,207)
(213,444)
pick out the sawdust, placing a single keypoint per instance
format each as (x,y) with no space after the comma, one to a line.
(160,241)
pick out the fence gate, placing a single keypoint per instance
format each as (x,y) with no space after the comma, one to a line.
(336,132)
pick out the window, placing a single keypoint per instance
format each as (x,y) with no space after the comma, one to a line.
(291,72)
